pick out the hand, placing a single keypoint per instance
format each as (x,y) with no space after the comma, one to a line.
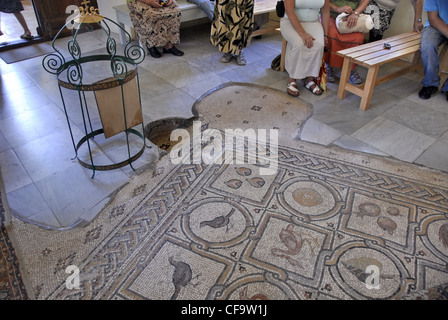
(352,20)
(153,3)
(418,26)
(308,40)
(346,9)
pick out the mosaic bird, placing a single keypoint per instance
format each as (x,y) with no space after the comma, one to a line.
(181,277)
(293,241)
(218,222)
(443,234)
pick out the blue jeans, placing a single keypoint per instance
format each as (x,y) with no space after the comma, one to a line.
(431,40)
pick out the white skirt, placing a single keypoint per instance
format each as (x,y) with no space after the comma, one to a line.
(300,61)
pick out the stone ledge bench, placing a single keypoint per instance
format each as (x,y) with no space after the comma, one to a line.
(190,12)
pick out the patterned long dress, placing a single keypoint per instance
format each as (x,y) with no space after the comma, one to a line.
(232,25)
(382,18)
(155,27)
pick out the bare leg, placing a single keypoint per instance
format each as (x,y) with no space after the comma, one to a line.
(19,16)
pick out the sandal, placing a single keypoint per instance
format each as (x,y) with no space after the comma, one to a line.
(292,89)
(316,90)
(27,36)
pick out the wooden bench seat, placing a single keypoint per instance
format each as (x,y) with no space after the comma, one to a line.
(372,56)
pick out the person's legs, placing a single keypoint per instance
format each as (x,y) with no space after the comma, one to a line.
(430,42)
(19,16)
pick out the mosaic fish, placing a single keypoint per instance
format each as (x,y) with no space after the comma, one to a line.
(307,197)
(393,211)
(368,209)
(387,224)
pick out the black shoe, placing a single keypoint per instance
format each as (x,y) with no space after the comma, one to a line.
(154,52)
(173,50)
(426,92)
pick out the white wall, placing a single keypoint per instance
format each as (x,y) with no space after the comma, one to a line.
(403,19)
(106,10)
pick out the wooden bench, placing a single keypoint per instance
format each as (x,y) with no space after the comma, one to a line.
(191,11)
(372,56)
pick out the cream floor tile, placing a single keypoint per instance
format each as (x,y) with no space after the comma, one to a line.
(175,104)
(435,156)
(27,201)
(394,139)
(437,102)
(419,117)
(318,132)
(22,100)
(13,173)
(4,144)
(45,219)
(179,74)
(152,85)
(252,73)
(47,155)
(210,63)
(348,142)
(14,81)
(33,124)
(198,88)
(72,193)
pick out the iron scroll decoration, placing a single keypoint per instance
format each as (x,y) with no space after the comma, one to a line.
(70,74)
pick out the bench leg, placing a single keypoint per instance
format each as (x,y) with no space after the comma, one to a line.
(345,74)
(282,57)
(122,34)
(444,55)
(368,88)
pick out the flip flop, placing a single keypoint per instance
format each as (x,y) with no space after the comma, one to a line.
(26,36)
(316,90)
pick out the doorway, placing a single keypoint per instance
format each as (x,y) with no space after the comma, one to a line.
(12,30)
(44,18)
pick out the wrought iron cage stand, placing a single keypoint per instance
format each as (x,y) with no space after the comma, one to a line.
(70,72)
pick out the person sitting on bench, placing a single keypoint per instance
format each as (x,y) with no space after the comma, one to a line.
(434,35)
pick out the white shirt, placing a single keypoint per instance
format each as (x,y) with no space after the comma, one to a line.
(308,10)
